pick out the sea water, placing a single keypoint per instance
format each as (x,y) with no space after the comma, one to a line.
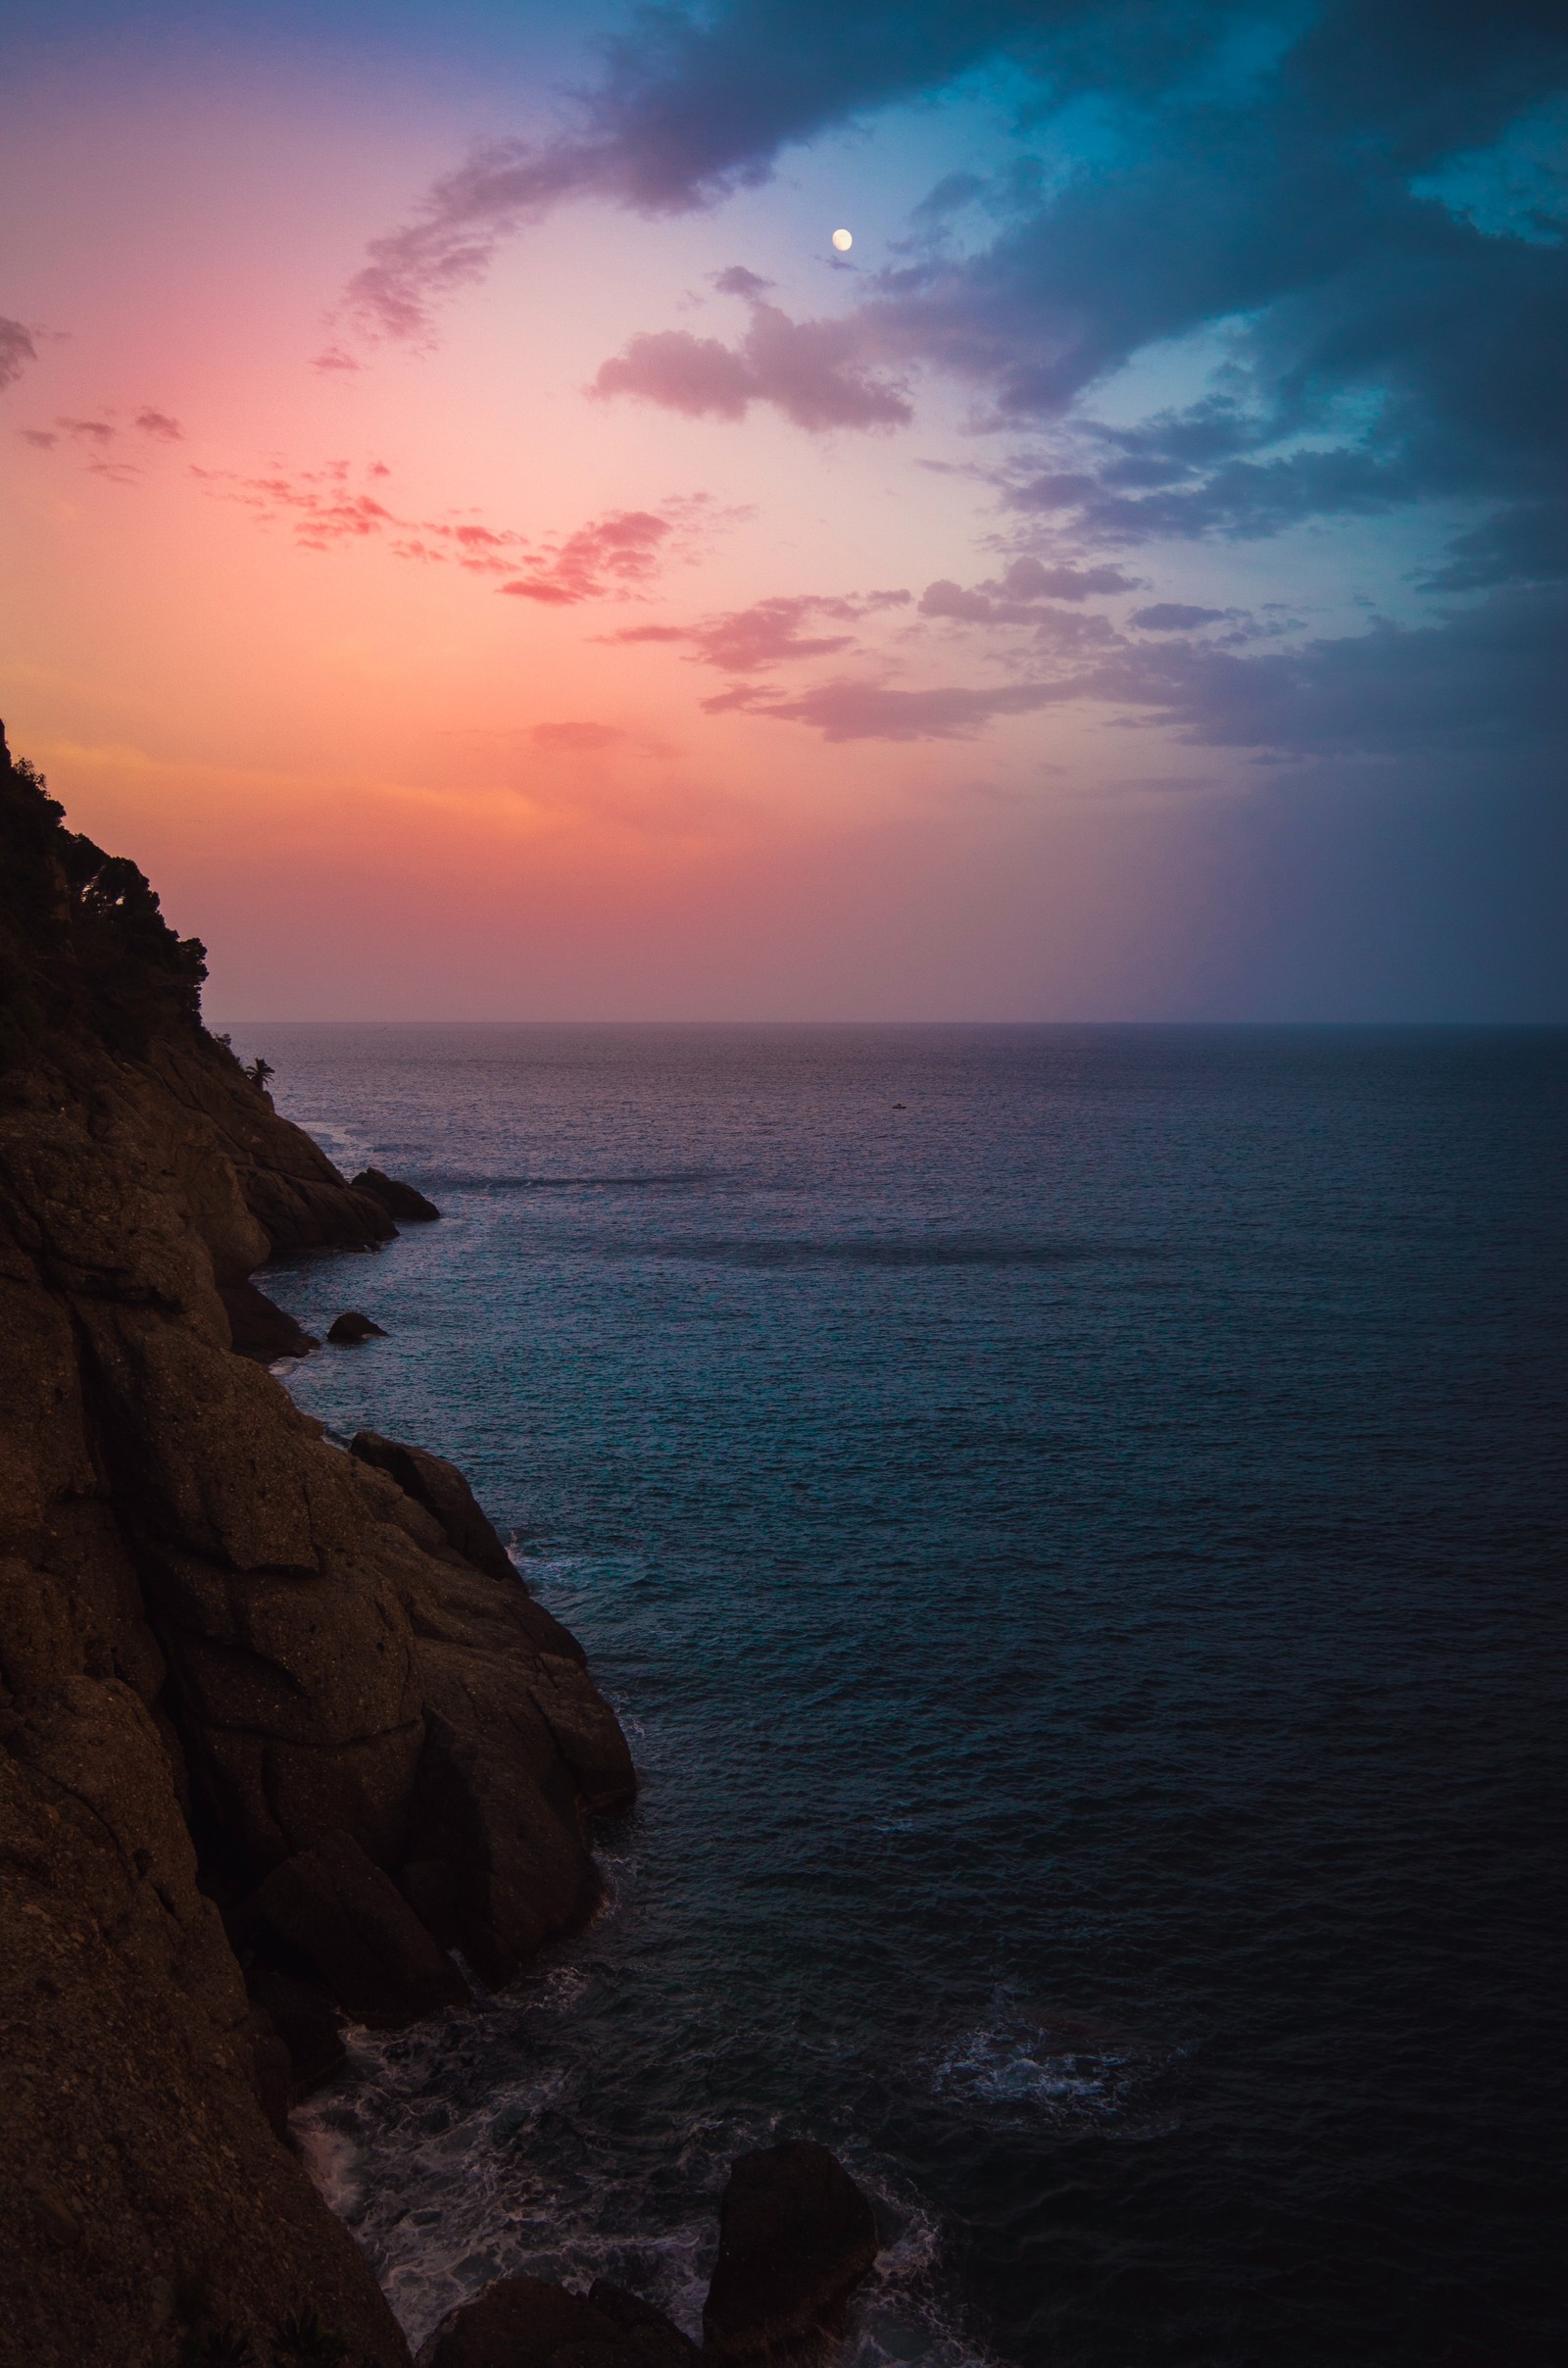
(1072,1521)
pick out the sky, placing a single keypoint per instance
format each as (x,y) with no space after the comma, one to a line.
(474,539)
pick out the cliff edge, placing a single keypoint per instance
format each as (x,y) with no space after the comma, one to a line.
(279,1727)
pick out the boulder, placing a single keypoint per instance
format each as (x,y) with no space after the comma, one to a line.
(398,1200)
(528,2323)
(444,1492)
(796,2238)
(351,1922)
(347,1330)
(258,1327)
(656,2338)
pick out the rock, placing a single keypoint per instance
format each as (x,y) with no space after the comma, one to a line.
(648,2330)
(496,1863)
(796,2238)
(528,2323)
(354,1925)
(398,1200)
(347,1330)
(306,2021)
(258,1327)
(444,1492)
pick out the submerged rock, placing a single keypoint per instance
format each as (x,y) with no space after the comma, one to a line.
(796,2238)
(398,1200)
(347,1330)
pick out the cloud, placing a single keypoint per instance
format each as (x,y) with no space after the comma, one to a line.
(610,558)
(1177,616)
(1014,597)
(1482,682)
(159,423)
(769,633)
(94,432)
(810,369)
(1369,204)
(684,112)
(736,280)
(16,350)
(620,552)
(850,710)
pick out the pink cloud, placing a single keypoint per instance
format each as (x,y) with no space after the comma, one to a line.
(741,640)
(808,370)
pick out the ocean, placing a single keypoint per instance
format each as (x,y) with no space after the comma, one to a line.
(1073,1523)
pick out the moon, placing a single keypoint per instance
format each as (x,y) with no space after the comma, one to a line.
(843,241)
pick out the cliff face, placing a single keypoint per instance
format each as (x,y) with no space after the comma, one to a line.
(277,1722)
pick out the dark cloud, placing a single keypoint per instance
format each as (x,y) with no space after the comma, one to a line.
(45,438)
(159,423)
(96,434)
(1015,596)
(1177,616)
(1486,682)
(16,350)
(743,641)
(1349,187)
(736,280)
(1489,682)
(685,111)
(847,709)
(808,370)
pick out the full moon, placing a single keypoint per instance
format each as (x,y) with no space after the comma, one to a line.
(843,241)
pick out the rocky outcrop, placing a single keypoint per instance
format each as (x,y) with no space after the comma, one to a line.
(346,1331)
(399,1200)
(795,2236)
(262,1717)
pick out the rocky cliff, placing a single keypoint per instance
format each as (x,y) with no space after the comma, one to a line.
(279,1727)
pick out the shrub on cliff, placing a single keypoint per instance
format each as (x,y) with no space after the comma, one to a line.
(83,942)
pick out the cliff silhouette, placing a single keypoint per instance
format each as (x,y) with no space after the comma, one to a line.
(280,1728)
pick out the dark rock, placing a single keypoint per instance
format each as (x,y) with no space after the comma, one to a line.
(305,2020)
(648,2330)
(258,1327)
(347,1330)
(270,2069)
(528,2323)
(398,1200)
(495,1856)
(796,2238)
(444,1492)
(359,1932)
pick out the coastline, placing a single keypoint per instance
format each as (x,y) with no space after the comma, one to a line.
(281,1726)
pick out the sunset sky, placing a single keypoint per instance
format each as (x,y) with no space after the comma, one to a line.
(485,554)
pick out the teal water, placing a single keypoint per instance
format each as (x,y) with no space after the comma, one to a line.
(1073,1522)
